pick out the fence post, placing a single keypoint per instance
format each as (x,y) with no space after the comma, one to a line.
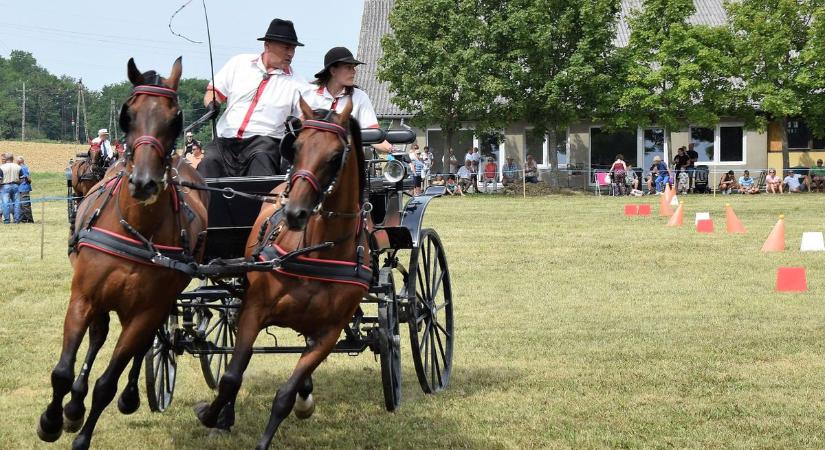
(42,227)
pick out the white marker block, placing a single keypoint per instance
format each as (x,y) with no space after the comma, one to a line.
(701,216)
(812,241)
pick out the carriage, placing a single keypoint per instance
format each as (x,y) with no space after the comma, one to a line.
(411,284)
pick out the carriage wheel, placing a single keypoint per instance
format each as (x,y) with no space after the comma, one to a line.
(219,326)
(160,366)
(71,204)
(430,313)
(389,344)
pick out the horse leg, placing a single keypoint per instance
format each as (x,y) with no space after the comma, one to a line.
(134,339)
(285,398)
(129,400)
(220,413)
(304,403)
(50,425)
(74,410)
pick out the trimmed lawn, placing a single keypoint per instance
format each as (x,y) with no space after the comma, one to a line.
(575,327)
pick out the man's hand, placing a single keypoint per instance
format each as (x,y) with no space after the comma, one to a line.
(213,109)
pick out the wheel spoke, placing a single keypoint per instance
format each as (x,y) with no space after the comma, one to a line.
(443,330)
(434,367)
(424,335)
(210,330)
(437,285)
(441,348)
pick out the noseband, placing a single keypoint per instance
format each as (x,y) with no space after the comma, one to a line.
(326,125)
(149,140)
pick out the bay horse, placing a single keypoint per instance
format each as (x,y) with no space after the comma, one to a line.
(318,294)
(88,171)
(137,237)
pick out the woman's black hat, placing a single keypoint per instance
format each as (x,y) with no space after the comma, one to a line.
(281,31)
(337,55)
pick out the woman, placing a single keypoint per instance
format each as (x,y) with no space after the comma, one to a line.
(335,86)
(773,182)
(531,170)
(617,174)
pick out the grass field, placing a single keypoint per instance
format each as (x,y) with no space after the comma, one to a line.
(576,327)
(43,157)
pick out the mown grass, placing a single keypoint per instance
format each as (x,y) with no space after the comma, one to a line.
(576,327)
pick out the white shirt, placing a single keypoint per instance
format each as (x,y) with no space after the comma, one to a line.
(792,181)
(105,147)
(362,110)
(257,102)
(464,172)
(428,160)
(474,157)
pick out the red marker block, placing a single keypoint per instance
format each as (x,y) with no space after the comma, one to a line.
(705,226)
(644,210)
(791,279)
(631,210)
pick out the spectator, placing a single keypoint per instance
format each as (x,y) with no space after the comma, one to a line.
(618,172)
(489,174)
(662,174)
(794,181)
(632,181)
(106,151)
(196,155)
(190,143)
(681,161)
(9,186)
(25,192)
(773,182)
(439,180)
(454,188)
(693,157)
(531,170)
(817,177)
(473,156)
(465,175)
(747,185)
(428,159)
(728,183)
(509,172)
(452,162)
(417,169)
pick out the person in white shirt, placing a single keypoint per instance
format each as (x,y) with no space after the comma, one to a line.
(260,92)
(334,87)
(465,175)
(106,151)
(792,181)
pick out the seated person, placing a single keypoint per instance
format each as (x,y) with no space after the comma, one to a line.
(728,183)
(509,172)
(794,181)
(747,185)
(195,156)
(631,179)
(453,188)
(465,175)
(489,174)
(682,182)
(773,183)
(662,174)
(817,177)
(531,170)
(439,181)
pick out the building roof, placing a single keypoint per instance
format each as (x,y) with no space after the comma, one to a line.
(375,24)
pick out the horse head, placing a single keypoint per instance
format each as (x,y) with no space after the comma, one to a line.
(94,153)
(151,120)
(318,158)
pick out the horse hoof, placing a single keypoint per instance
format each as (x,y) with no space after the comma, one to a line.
(304,408)
(129,401)
(44,434)
(81,442)
(72,425)
(201,410)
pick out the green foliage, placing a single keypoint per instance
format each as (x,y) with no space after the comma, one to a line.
(673,72)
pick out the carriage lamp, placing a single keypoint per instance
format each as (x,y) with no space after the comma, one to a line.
(68,171)
(394,171)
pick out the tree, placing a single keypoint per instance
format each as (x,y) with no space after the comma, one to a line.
(443,70)
(559,60)
(674,72)
(778,49)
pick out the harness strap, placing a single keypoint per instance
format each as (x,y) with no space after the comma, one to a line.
(123,247)
(334,271)
(151,141)
(308,176)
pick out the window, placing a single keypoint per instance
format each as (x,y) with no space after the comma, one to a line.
(537,146)
(799,136)
(731,144)
(604,146)
(702,140)
(462,142)
(654,145)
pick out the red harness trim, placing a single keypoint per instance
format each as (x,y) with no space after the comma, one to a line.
(328,280)
(324,261)
(135,241)
(152,142)
(354,282)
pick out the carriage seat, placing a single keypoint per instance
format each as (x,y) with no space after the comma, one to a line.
(371,136)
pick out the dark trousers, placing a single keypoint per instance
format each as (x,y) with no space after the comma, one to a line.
(230,157)
(25,207)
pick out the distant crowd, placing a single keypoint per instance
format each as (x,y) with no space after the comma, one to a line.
(15,189)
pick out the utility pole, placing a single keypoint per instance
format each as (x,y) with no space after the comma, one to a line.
(77,116)
(23,121)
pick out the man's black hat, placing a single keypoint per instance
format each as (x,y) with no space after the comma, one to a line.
(281,31)
(337,55)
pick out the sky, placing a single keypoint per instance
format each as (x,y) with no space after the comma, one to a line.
(93,39)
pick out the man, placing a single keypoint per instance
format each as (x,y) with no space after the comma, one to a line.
(693,158)
(24,192)
(9,186)
(747,185)
(792,180)
(662,174)
(489,174)
(465,175)
(427,158)
(452,161)
(260,92)
(190,143)
(196,156)
(817,176)
(106,151)
(509,172)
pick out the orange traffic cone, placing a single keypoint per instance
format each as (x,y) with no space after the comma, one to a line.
(732,222)
(664,205)
(668,193)
(776,240)
(676,218)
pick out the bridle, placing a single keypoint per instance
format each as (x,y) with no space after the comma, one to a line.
(326,125)
(148,140)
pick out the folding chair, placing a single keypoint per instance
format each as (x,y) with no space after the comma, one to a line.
(601,180)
